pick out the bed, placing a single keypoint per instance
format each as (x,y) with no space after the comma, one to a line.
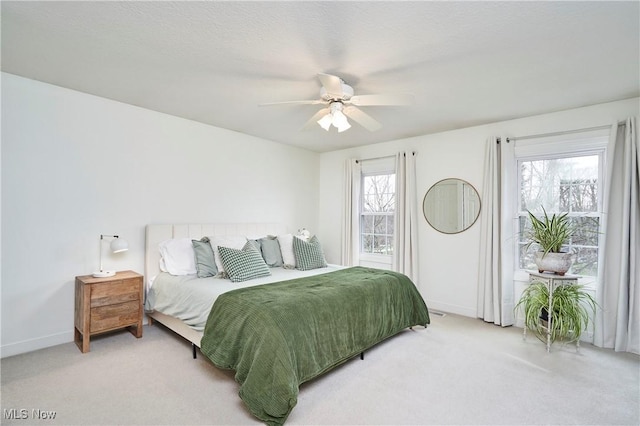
(281,330)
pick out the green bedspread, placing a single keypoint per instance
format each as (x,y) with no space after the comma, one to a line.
(278,336)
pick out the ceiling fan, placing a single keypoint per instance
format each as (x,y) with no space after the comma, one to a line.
(341,103)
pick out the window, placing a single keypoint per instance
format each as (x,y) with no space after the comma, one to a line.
(377,213)
(559,180)
(377,207)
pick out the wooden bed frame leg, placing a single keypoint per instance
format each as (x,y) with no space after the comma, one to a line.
(362,355)
(193,347)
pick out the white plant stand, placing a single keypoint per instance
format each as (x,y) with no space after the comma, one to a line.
(551,281)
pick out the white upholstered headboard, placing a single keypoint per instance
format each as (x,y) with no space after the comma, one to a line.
(155,234)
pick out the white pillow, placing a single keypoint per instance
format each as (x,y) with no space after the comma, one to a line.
(178,256)
(230,241)
(161,264)
(286,248)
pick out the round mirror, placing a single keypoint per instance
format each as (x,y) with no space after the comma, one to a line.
(451,206)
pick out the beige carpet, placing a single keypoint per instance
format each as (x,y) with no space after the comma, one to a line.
(458,371)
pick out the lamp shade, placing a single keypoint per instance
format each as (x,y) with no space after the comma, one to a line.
(325,122)
(118,245)
(340,121)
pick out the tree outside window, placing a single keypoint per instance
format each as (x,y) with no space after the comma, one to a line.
(377,211)
(562,185)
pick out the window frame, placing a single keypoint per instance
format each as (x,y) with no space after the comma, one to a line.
(593,214)
(558,147)
(379,167)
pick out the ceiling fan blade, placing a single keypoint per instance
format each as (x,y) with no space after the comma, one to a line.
(313,121)
(362,118)
(332,84)
(370,100)
(309,102)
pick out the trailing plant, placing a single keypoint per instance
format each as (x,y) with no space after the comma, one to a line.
(569,315)
(550,233)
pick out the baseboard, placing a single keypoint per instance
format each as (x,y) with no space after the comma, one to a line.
(452,309)
(35,344)
(29,345)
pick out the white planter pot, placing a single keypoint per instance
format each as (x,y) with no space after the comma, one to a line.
(554,262)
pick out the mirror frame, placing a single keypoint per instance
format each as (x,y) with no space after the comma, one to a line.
(424,213)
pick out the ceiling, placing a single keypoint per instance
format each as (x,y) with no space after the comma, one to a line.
(466,63)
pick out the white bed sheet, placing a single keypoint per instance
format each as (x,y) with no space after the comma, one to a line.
(190,298)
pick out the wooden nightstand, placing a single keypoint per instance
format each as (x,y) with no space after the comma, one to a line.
(106,304)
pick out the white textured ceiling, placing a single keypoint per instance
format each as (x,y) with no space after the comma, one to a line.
(466,63)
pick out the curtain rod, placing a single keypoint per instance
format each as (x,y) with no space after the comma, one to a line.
(379,158)
(565,132)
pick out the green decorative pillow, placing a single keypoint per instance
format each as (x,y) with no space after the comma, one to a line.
(271,251)
(245,264)
(205,261)
(308,254)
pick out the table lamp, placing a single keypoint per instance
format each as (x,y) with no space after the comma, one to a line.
(117,245)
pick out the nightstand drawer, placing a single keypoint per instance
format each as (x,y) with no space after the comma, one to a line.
(114,316)
(114,292)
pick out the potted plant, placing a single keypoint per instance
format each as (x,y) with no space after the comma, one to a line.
(570,308)
(551,233)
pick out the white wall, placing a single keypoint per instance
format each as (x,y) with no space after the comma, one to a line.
(449,263)
(75,166)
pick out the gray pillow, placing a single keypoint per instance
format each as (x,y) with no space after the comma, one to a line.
(253,243)
(205,261)
(309,255)
(271,253)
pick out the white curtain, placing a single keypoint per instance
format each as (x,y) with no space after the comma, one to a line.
(495,276)
(350,224)
(405,257)
(617,323)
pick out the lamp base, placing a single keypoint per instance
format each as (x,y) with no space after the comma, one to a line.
(104,274)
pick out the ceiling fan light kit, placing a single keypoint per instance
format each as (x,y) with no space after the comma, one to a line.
(340,121)
(336,117)
(341,103)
